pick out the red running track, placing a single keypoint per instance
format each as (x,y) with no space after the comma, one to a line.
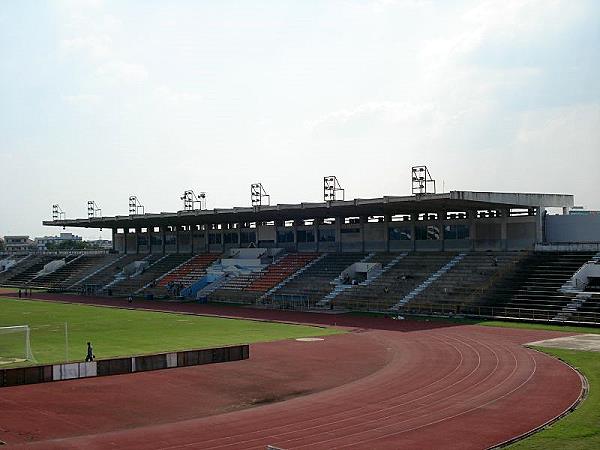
(437,386)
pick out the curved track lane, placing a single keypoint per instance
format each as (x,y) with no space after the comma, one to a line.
(431,386)
(442,388)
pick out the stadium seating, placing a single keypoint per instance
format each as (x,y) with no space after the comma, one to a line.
(158,265)
(316,281)
(22,274)
(394,284)
(535,284)
(248,287)
(589,311)
(465,282)
(75,269)
(279,271)
(188,272)
(103,274)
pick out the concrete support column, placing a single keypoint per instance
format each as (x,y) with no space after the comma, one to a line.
(539,224)
(413,230)
(163,236)
(441,220)
(125,233)
(137,240)
(114,239)
(472,217)
(177,238)
(504,217)
(362,220)
(222,233)
(338,232)
(295,231)
(387,219)
(149,233)
(192,231)
(207,227)
(316,224)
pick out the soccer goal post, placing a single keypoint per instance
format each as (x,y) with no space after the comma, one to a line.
(15,345)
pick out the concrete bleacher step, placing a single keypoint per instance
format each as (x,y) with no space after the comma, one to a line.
(433,277)
(571,308)
(95,272)
(120,276)
(172,270)
(341,288)
(296,274)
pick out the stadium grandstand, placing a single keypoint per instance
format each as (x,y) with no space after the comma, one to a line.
(457,253)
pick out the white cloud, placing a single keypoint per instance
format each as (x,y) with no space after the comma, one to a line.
(93,46)
(382,5)
(82,99)
(386,112)
(79,4)
(565,131)
(172,96)
(122,72)
(513,22)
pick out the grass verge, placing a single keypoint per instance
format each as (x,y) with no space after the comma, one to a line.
(580,430)
(493,323)
(119,332)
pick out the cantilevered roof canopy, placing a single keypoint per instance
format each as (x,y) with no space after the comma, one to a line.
(391,205)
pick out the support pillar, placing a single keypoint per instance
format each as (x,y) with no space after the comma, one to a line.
(338,233)
(387,219)
(362,220)
(472,217)
(413,230)
(504,215)
(539,224)
(440,222)
(207,228)
(316,224)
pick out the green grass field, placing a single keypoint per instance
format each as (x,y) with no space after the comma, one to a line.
(119,332)
(579,430)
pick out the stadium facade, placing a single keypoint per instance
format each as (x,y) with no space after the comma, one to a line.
(453,221)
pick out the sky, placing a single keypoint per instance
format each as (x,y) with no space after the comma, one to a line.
(100,100)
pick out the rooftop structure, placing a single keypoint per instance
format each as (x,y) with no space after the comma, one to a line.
(453,220)
(390,205)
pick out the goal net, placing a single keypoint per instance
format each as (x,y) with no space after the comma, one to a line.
(15,345)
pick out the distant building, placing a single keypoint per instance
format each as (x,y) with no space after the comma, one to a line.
(579,211)
(104,244)
(42,242)
(18,244)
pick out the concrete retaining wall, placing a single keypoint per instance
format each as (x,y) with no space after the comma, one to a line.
(117,366)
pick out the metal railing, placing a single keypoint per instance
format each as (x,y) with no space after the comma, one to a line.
(479,311)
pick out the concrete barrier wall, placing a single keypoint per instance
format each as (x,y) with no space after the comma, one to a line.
(118,366)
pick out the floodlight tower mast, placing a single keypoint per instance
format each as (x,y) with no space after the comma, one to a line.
(190,199)
(57,213)
(93,209)
(257,193)
(135,206)
(331,186)
(421,179)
